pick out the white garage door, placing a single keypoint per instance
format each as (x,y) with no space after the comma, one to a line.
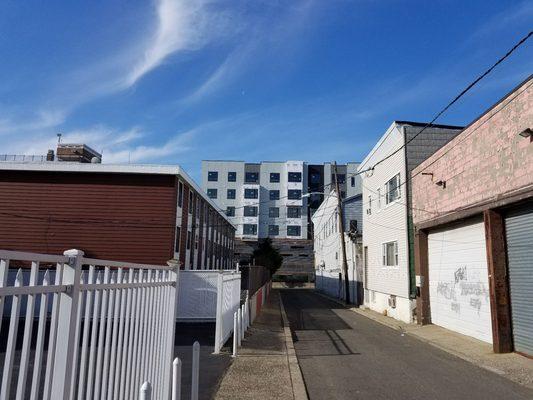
(458,280)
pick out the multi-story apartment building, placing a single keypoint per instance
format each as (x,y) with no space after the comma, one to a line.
(388,237)
(266,199)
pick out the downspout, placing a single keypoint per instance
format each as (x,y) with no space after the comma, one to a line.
(410,227)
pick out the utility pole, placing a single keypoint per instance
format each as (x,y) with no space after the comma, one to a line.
(341,231)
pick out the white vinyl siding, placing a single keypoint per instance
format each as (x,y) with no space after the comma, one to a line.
(388,224)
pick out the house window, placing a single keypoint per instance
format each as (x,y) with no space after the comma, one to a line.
(273,230)
(232,177)
(212,176)
(352,181)
(293,230)
(177,241)
(250,193)
(249,229)
(230,211)
(273,212)
(250,211)
(274,177)
(392,188)
(251,177)
(180,194)
(295,177)
(212,193)
(341,178)
(390,254)
(294,194)
(231,194)
(294,212)
(188,240)
(369,209)
(274,194)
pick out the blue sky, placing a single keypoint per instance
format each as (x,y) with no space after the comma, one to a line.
(170,81)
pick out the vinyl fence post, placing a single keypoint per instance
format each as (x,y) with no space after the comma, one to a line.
(239,326)
(176,379)
(235,334)
(219,316)
(195,370)
(66,326)
(146,391)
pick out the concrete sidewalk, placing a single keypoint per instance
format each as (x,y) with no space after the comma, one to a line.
(266,366)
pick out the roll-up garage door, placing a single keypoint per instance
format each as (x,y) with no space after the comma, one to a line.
(519,231)
(458,280)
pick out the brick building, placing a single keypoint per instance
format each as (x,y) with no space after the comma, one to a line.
(473,210)
(135,213)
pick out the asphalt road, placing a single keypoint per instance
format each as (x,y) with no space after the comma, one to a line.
(344,355)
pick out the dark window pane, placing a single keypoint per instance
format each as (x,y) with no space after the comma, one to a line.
(249,229)
(232,176)
(273,212)
(340,177)
(294,194)
(231,194)
(295,177)
(274,195)
(294,212)
(274,177)
(251,177)
(212,176)
(250,211)
(293,230)
(230,211)
(273,230)
(250,193)
(212,193)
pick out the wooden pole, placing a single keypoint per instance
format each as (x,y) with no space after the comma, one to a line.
(341,232)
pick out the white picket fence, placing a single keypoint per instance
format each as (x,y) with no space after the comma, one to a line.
(210,295)
(111,327)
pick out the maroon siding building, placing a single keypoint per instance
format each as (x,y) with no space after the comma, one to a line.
(136,213)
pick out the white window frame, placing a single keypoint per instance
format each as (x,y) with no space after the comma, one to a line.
(388,191)
(384,254)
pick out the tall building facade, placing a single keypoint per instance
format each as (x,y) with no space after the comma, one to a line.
(268,199)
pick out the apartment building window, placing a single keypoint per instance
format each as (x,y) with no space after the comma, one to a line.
(273,230)
(177,241)
(273,212)
(212,176)
(251,177)
(274,177)
(294,212)
(343,194)
(250,211)
(274,194)
(249,229)
(230,211)
(294,230)
(180,194)
(352,181)
(250,193)
(231,194)
(390,254)
(392,188)
(340,177)
(189,235)
(294,194)
(191,205)
(212,193)
(232,177)
(295,177)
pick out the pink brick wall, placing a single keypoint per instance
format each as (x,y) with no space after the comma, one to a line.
(488,159)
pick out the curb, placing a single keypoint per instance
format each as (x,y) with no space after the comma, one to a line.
(299,391)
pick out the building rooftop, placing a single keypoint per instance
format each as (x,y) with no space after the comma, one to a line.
(150,169)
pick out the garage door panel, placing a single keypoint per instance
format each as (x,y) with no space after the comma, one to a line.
(458,280)
(519,234)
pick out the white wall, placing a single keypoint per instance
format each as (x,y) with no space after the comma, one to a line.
(386,222)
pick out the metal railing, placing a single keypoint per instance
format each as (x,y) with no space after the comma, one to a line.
(103,327)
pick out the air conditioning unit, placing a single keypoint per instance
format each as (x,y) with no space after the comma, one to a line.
(392,301)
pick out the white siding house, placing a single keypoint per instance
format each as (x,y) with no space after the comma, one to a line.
(387,237)
(328,251)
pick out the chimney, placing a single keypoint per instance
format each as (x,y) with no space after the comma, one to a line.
(50,155)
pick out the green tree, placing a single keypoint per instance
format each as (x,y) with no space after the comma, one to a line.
(268,256)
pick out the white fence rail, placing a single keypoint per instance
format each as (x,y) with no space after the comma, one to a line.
(210,295)
(102,327)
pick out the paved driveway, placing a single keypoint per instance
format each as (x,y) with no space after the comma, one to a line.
(344,355)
